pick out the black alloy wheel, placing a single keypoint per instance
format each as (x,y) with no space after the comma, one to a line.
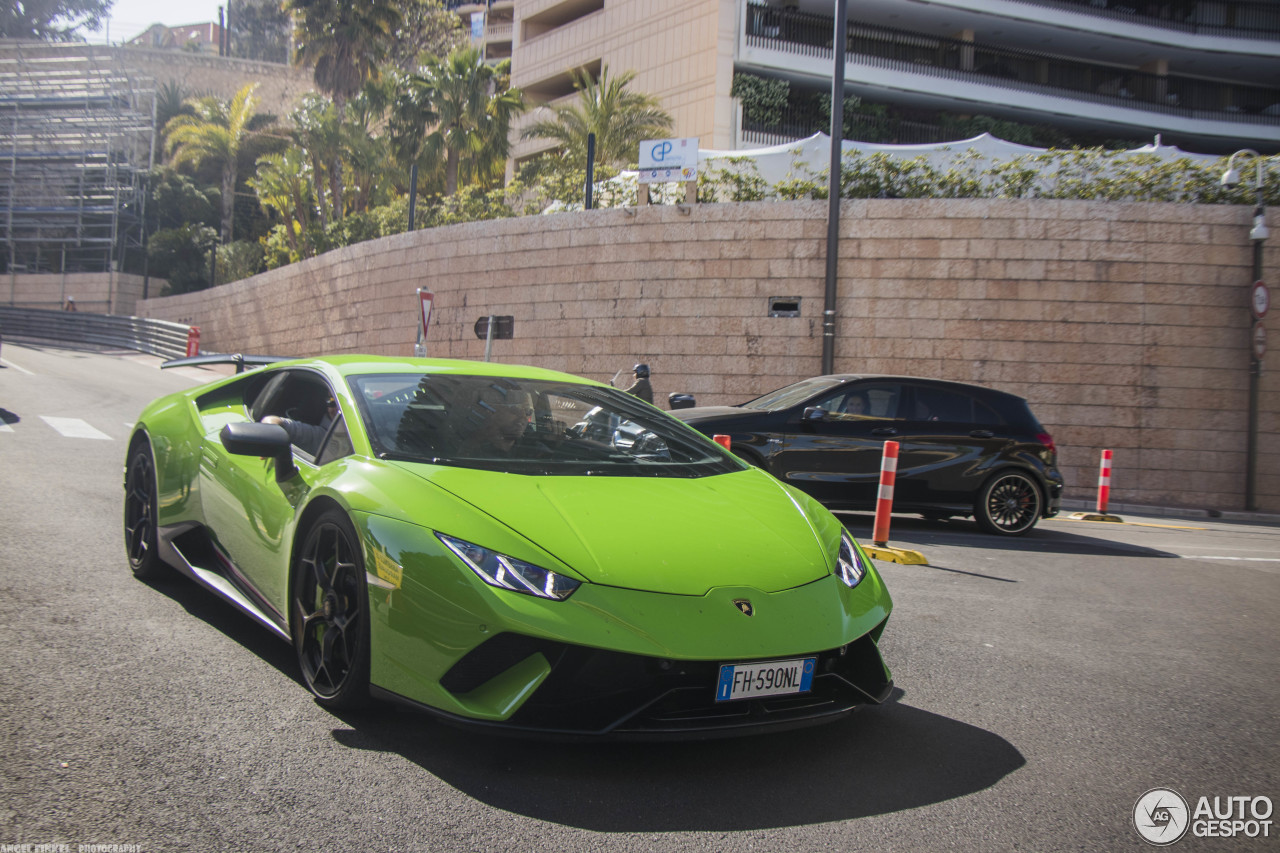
(1010,504)
(330,613)
(140,513)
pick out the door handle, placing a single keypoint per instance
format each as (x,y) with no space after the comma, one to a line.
(884,431)
(982,433)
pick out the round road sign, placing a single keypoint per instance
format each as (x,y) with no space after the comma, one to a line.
(1260,300)
(1259,341)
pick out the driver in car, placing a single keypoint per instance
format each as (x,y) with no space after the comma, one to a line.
(304,435)
(499,417)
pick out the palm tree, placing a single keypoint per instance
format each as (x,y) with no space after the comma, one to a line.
(283,184)
(317,130)
(214,132)
(464,109)
(345,41)
(620,119)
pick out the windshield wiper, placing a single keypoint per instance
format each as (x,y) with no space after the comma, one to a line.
(388,456)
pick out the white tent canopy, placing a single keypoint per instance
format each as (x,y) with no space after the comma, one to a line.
(810,157)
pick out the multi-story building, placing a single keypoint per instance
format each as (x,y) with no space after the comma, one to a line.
(1204,74)
(202,38)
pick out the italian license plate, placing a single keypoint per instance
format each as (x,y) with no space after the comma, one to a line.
(770,678)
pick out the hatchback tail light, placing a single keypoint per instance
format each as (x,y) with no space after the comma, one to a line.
(1047,440)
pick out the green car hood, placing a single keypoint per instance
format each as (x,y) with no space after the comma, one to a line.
(657,534)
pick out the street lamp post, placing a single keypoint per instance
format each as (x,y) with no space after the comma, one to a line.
(1258,235)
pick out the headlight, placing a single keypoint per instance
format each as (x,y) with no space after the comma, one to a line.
(849,564)
(509,573)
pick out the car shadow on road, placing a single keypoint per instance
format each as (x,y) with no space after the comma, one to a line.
(918,533)
(236,625)
(880,760)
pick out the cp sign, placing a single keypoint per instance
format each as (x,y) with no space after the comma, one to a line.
(668,153)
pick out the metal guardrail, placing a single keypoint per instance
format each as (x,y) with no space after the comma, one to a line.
(157,337)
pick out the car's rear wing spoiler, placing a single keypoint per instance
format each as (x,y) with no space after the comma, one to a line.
(240,360)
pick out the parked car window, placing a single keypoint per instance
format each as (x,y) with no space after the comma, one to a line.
(941,404)
(860,401)
(791,395)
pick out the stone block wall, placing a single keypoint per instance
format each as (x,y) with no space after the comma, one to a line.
(1125,325)
(100,293)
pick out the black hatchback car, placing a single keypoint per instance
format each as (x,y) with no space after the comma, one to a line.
(964,450)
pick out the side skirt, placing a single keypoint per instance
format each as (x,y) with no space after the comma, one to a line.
(188,549)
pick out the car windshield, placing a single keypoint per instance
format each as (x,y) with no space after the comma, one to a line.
(526,426)
(791,395)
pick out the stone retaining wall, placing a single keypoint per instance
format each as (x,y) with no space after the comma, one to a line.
(99,292)
(1125,325)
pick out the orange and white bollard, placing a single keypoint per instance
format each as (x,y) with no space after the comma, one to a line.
(880,549)
(193,341)
(884,501)
(1104,482)
(1104,494)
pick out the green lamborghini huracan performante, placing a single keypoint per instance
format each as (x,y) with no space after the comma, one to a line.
(506,547)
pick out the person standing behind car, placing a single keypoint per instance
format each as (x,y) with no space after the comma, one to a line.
(641,388)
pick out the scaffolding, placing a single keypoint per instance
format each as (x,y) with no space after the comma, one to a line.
(77,138)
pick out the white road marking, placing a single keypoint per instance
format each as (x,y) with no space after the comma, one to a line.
(4,427)
(75,428)
(8,363)
(1242,559)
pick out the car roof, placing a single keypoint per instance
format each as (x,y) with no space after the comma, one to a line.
(356,364)
(841,378)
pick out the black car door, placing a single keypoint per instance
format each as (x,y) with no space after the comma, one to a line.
(947,440)
(834,452)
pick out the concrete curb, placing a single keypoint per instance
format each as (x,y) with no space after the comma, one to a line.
(1176,512)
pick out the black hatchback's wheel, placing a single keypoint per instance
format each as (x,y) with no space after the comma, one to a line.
(331,613)
(140,513)
(1009,505)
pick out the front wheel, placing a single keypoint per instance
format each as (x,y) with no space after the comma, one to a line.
(140,540)
(1010,504)
(330,614)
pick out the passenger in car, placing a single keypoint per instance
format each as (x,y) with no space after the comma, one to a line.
(303,435)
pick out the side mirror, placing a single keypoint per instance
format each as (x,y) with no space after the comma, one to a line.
(814,414)
(268,440)
(681,401)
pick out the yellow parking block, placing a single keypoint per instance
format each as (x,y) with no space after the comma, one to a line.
(896,555)
(1145,524)
(1096,516)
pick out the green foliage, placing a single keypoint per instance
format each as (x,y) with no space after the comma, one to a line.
(215,134)
(260,30)
(344,42)
(738,180)
(619,118)
(238,260)
(426,29)
(966,127)
(468,204)
(51,20)
(176,200)
(181,255)
(557,183)
(459,110)
(764,101)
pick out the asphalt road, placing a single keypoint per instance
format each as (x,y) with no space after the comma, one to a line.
(1045,683)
